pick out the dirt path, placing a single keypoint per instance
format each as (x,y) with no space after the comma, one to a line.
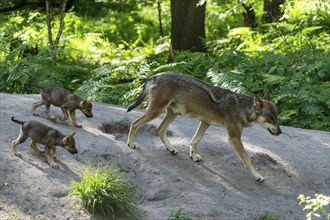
(219,187)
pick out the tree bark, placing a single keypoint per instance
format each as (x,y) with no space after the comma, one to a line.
(272,11)
(188,25)
(159,7)
(53,45)
(249,16)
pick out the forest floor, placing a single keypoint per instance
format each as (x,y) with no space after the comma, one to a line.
(219,187)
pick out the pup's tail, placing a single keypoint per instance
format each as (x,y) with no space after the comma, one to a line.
(35,86)
(17,121)
(140,98)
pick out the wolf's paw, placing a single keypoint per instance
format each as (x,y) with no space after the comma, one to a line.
(18,155)
(259,178)
(195,158)
(35,114)
(133,146)
(54,166)
(172,150)
(78,126)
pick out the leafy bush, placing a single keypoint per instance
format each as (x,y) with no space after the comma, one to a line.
(104,191)
(316,205)
(267,216)
(179,214)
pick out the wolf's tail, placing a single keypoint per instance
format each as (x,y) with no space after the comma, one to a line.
(35,86)
(17,121)
(140,98)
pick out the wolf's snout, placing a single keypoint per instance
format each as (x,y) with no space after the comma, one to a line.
(89,116)
(275,131)
(73,151)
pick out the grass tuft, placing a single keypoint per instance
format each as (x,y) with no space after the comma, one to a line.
(103,191)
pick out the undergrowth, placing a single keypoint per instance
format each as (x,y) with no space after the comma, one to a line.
(109,57)
(103,191)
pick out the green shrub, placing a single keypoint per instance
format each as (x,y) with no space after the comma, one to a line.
(267,216)
(179,214)
(315,206)
(104,192)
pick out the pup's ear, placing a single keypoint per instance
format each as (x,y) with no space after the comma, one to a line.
(65,139)
(86,101)
(267,96)
(257,103)
(71,134)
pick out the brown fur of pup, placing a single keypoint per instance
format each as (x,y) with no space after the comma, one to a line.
(42,134)
(64,99)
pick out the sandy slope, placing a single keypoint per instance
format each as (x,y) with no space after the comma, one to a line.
(219,187)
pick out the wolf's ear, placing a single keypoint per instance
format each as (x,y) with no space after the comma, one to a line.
(65,139)
(89,99)
(71,134)
(267,96)
(257,103)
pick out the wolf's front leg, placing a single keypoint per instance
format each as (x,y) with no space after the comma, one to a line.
(49,155)
(65,114)
(74,119)
(237,144)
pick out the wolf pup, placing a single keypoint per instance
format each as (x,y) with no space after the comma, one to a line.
(179,94)
(40,133)
(68,102)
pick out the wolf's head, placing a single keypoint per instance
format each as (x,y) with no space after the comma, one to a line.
(85,106)
(70,143)
(267,114)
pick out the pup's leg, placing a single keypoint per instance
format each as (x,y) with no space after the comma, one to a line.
(202,127)
(33,145)
(170,116)
(21,138)
(65,114)
(49,149)
(74,119)
(47,111)
(234,138)
(35,106)
(153,111)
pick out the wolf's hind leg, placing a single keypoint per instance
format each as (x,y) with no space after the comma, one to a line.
(202,127)
(33,145)
(152,112)
(169,118)
(35,106)
(21,138)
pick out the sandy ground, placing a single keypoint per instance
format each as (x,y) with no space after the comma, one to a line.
(219,187)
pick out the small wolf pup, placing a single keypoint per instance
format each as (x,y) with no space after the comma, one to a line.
(68,102)
(40,133)
(179,94)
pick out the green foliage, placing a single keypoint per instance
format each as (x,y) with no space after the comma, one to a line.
(103,191)
(267,216)
(317,206)
(108,48)
(179,214)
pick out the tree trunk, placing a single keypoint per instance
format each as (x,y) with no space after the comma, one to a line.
(272,10)
(159,7)
(188,25)
(53,45)
(249,16)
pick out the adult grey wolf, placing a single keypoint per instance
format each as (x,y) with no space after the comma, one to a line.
(176,93)
(50,137)
(65,99)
